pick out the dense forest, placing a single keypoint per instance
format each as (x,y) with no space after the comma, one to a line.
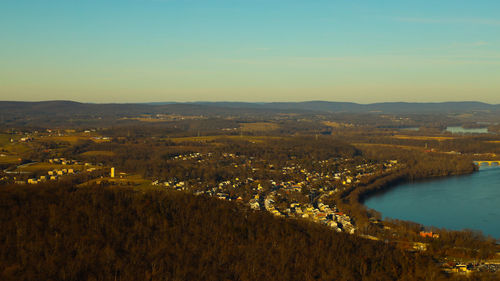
(98,233)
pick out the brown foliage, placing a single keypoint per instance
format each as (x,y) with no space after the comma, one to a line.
(66,233)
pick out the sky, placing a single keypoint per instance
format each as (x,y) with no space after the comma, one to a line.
(250,50)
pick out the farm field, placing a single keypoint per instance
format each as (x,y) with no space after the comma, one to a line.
(98,153)
(135,180)
(387,145)
(9,159)
(72,139)
(213,138)
(406,137)
(4,139)
(43,166)
(258,126)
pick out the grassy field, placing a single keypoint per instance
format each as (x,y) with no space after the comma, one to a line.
(9,159)
(98,153)
(70,139)
(4,139)
(212,138)
(146,119)
(360,145)
(16,149)
(73,138)
(258,127)
(136,180)
(405,137)
(336,124)
(43,166)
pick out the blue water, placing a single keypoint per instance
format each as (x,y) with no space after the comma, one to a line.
(463,202)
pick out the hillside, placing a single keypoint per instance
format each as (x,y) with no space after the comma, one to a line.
(64,233)
(223,108)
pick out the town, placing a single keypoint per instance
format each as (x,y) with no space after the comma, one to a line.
(303,197)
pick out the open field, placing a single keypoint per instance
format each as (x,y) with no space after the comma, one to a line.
(16,148)
(145,119)
(336,124)
(43,166)
(4,139)
(9,159)
(258,126)
(133,179)
(73,138)
(406,137)
(387,145)
(213,138)
(98,153)
(70,139)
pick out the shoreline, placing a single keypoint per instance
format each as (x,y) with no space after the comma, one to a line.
(402,179)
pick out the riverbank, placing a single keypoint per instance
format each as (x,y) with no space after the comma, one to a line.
(407,234)
(471,202)
(355,197)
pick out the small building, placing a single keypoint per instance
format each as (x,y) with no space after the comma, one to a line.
(429,234)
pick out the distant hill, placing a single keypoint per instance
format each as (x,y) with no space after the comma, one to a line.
(388,107)
(70,108)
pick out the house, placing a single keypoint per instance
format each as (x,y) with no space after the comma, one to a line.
(428,234)
(463,268)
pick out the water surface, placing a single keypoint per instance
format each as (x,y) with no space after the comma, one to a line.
(470,201)
(462,130)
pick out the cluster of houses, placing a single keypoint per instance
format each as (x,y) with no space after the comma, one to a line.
(56,174)
(192,156)
(51,175)
(63,161)
(326,178)
(463,268)
(317,212)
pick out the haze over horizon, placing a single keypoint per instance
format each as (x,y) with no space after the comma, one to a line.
(254,51)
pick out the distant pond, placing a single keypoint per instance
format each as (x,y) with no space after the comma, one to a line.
(462,130)
(460,202)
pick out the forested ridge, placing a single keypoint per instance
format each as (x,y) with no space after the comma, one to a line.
(101,233)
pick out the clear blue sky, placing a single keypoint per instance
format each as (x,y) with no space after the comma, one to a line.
(253,50)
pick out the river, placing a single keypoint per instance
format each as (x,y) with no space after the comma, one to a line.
(460,202)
